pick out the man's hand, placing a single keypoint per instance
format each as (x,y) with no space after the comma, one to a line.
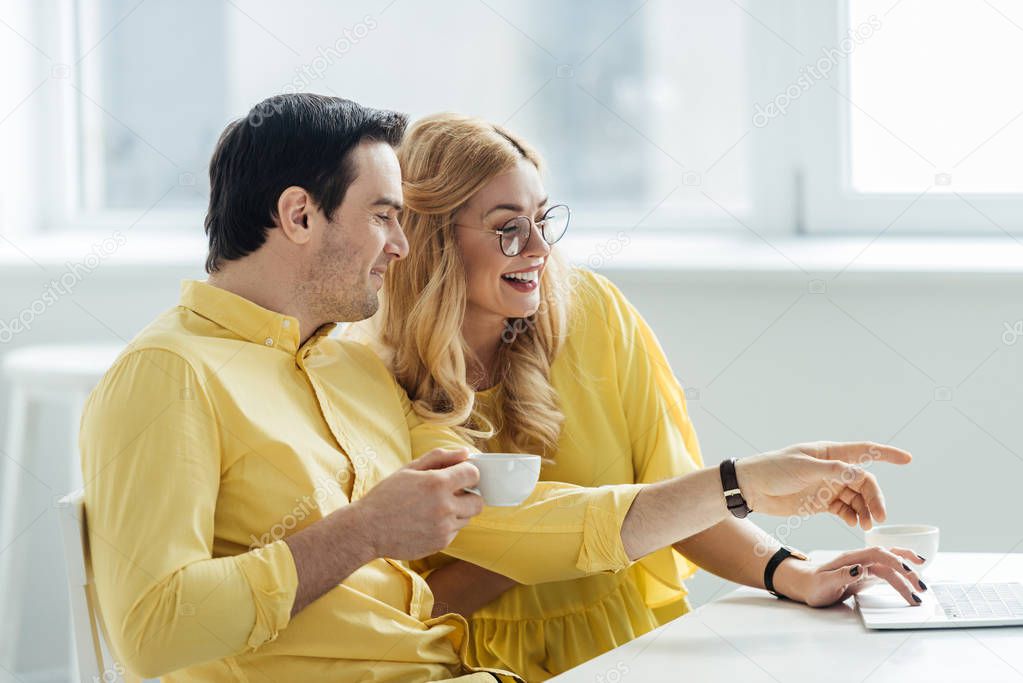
(817,477)
(416,511)
(419,509)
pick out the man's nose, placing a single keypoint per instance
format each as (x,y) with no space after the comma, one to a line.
(397,245)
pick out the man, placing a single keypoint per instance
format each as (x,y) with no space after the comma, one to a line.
(251,491)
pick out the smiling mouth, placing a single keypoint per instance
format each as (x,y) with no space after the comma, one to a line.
(529,276)
(524,282)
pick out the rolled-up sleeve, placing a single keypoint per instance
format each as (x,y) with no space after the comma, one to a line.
(560,532)
(151,462)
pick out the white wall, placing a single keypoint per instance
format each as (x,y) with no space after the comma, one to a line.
(772,362)
(866,360)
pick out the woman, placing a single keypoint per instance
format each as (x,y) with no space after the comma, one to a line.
(491,334)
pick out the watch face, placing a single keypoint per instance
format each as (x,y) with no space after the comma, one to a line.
(797,554)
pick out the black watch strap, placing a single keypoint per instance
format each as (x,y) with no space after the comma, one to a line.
(780,556)
(730,485)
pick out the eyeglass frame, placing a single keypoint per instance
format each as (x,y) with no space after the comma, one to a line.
(529,232)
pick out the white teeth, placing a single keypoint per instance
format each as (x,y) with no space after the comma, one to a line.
(531,276)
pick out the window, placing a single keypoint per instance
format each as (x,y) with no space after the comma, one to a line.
(922,130)
(152,100)
(765,116)
(638,108)
(935,80)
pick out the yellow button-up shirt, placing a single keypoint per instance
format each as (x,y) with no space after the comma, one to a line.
(215,435)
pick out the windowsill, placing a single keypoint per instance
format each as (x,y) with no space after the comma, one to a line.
(102,253)
(643,254)
(815,255)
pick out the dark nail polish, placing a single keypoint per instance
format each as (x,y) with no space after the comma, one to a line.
(922,558)
(923,586)
(855,571)
(906,567)
(917,598)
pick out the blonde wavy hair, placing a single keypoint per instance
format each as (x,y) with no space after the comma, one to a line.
(445,160)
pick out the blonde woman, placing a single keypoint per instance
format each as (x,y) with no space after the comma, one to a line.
(491,334)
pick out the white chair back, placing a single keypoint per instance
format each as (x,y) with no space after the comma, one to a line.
(94,662)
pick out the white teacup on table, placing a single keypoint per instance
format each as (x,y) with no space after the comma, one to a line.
(922,539)
(506,479)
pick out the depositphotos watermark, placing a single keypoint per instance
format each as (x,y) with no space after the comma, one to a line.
(817,502)
(613,674)
(304,507)
(324,488)
(1012,333)
(111,674)
(810,74)
(75,272)
(326,57)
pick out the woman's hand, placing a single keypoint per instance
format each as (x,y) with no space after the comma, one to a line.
(850,573)
(813,477)
(464,588)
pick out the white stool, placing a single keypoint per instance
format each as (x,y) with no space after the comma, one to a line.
(62,374)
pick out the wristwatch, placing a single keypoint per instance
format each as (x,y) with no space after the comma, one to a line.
(772,564)
(730,484)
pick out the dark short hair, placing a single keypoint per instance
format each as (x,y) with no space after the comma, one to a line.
(295,139)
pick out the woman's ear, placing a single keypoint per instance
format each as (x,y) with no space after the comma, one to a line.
(293,208)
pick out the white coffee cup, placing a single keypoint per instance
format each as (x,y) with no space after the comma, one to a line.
(920,538)
(506,479)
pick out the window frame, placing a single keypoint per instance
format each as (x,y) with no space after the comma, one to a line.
(833,207)
(80,155)
(799,164)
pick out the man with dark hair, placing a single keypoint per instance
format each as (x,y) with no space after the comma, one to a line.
(303,140)
(231,450)
(251,494)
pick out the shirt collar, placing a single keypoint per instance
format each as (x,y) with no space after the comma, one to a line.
(248,320)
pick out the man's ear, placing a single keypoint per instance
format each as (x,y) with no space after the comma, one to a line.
(293,209)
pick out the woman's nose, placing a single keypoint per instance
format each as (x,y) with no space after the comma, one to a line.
(537,245)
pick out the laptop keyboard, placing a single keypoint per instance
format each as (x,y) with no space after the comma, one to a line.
(980,601)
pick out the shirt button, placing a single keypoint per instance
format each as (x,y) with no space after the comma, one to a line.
(286,324)
(269,341)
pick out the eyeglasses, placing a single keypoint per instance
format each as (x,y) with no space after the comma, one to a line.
(514,235)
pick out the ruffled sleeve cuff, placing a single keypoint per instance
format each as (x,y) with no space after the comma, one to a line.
(602,548)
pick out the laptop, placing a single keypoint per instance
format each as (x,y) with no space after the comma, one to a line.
(945,605)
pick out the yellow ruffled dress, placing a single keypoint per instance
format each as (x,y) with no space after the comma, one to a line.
(625,422)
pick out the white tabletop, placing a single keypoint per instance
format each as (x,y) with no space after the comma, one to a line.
(749,636)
